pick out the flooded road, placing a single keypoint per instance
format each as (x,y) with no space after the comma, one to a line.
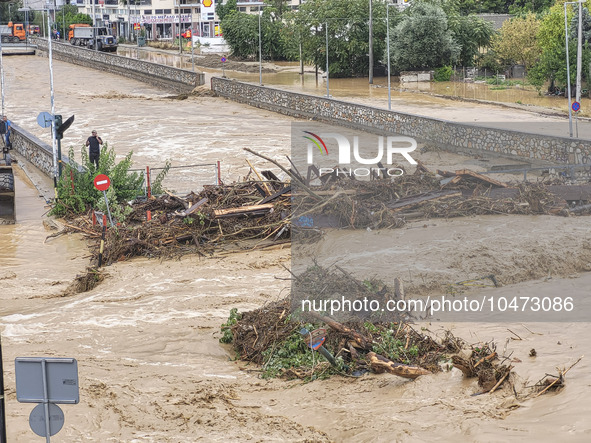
(146,340)
(518,103)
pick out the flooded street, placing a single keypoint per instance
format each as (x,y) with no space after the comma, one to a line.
(146,339)
(516,110)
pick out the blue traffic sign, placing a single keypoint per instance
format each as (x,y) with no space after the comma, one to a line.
(576,106)
(44,119)
(223,59)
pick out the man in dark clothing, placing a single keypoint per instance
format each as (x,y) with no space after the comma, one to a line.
(94,143)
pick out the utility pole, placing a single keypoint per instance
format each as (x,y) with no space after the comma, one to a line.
(370,43)
(388,53)
(260,53)
(2,410)
(53,128)
(570,112)
(327,65)
(180,31)
(1,84)
(579,52)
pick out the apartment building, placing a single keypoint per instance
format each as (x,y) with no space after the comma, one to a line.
(254,6)
(161,19)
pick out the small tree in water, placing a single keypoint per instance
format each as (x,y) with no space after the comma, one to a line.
(76,191)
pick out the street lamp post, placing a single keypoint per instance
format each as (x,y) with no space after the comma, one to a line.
(327,72)
(260,52)
(2,76)
(570,113)
(180,36)
(388,51)
(192,43)
(370,43)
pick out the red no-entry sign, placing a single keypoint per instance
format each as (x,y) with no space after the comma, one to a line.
(102,182)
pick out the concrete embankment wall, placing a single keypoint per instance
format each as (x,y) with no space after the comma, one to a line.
(456,137)
(166,77)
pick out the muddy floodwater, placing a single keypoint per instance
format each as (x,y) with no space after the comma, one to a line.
(150,365)
(286,75)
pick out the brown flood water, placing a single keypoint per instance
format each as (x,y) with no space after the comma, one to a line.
(287,75)
(151,368)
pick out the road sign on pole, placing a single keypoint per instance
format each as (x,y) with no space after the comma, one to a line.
(46,380)
(44,119)
(37,420)
(102,183)
(576,106)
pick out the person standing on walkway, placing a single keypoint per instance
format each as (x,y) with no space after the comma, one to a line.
(94,143)
(5,129)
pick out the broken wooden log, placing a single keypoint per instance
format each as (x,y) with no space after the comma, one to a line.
(243,210)
(413,200)
(380,364)
(192,208)
(291,174)
(265,185)
(467,173)
(358,340)
(274,196)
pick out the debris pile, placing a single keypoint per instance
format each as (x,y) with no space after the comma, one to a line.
(172,226)
(288,344)
(266,208)
(271,336)
(381,203)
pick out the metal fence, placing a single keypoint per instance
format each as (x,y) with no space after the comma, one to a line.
(181,180)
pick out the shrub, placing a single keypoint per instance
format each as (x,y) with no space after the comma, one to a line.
(443,74)
(125,185)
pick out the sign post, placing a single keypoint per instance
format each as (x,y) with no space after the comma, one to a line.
(102,183)
(46,381)
(223,63)
(576,107)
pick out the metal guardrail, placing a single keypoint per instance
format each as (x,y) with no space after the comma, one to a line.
(570,168)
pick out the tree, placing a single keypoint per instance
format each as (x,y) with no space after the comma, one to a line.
(348,34)
(517,41)
(525,6)
(422,39)
(471,33)
(224,9)
(241,32)
(551,65)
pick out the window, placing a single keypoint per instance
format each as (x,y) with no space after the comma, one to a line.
(242,9)
(148,12)
(168,11)
(159,11)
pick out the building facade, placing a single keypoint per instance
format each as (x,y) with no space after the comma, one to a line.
(159,19)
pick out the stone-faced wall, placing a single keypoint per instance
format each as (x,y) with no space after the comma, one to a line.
(167,77)
(34,150)
(457,137)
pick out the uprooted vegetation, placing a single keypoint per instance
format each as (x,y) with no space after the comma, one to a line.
(308,346)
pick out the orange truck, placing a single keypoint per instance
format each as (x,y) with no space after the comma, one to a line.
(13,32)
(76,25)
